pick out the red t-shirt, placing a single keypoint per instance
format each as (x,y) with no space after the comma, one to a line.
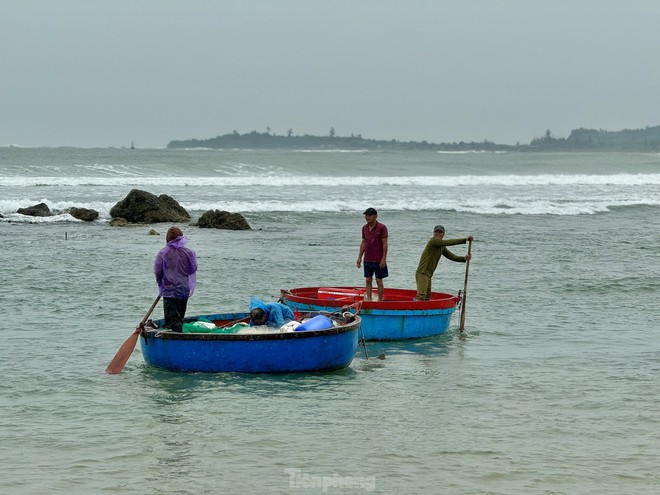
(373,249)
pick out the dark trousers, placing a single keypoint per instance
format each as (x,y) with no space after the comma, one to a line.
(175,311)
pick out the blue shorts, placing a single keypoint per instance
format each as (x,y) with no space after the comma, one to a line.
(371,267)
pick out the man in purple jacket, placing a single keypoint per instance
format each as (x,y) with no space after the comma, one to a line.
(175,268)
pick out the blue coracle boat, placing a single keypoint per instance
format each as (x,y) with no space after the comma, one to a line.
(399,316)
(326,349)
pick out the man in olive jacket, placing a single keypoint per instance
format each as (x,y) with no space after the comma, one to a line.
(428,261)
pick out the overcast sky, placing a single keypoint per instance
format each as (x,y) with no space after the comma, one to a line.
(104,73)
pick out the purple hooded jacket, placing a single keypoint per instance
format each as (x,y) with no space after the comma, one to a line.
(175,268)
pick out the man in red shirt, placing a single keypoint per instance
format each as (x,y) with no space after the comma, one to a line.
(374,249)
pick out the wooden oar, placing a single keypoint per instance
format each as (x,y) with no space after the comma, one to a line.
(245,319)
(467,267)
(119,361)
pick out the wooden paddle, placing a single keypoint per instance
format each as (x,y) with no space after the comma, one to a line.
(245,319)
(467,267)
(119,361)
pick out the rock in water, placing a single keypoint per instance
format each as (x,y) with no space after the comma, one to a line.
(143,207)
(216,219)
(40,210)
(84,214)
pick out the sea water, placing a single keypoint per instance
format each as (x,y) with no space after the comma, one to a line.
(552,389)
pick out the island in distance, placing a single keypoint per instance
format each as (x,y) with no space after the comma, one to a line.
(636,140)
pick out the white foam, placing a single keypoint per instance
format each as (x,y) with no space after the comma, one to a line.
(467,152)
(553,194)
(332,151)
(18,218)
(330,181)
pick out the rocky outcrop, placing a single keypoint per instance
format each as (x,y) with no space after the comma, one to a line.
(216,219)
(143,207)
(84,214)
(118,222)
(40,210)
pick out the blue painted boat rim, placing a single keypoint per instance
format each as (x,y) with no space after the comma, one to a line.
(350,324)
(157,333)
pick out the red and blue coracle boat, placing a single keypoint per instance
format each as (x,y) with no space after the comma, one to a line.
(326,349)
(399,316)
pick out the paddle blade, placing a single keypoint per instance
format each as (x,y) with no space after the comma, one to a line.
(119,361)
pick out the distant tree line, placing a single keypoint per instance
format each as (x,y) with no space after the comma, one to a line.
(647,139)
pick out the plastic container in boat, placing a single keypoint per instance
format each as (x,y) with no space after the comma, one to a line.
(319,322)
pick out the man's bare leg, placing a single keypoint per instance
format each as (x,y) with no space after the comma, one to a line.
(381,288)
(368,288)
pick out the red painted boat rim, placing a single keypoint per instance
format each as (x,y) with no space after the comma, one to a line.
(395,299)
